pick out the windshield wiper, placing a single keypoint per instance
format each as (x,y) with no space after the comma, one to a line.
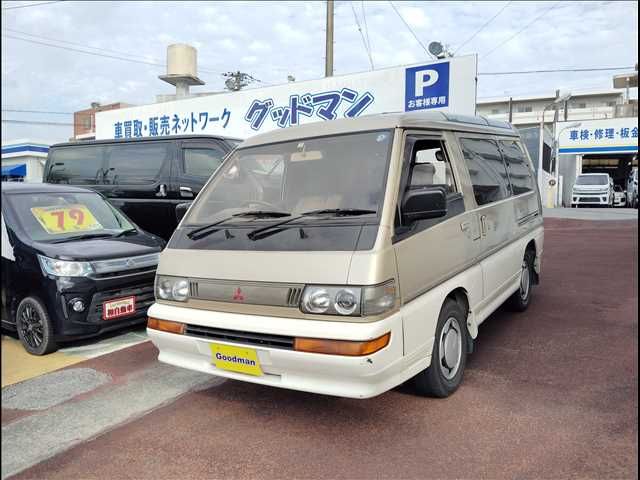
(84,237)
(259,233)
(337,212)
(206,230)
(124,232)
(340,212)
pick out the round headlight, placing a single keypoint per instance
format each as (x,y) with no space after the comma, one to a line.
(164,289)
(180,290)
(317,300)
(346,302)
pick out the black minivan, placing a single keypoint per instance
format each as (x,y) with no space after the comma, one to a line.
(73,266)
(144,177)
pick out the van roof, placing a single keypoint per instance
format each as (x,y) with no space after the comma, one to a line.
(143,139)
(383,121)
(592,174)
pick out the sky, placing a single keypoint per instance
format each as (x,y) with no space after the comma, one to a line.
(271,40)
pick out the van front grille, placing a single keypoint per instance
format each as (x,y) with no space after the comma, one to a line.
(245,338)
(293,297)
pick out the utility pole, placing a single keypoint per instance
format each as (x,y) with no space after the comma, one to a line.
(328,65)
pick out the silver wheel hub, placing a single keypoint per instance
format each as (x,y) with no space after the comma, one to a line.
(525,280)
(450,348)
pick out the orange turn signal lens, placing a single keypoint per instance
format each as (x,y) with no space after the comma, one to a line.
(165,326)
(341,347)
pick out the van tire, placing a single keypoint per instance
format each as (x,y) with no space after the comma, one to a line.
(432,381)
(520,299)
(31,311)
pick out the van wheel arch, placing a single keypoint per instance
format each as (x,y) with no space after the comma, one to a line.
(461,297)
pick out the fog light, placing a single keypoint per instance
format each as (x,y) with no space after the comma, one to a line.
(77,305)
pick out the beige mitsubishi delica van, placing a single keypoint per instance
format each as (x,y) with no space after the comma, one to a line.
(348,257)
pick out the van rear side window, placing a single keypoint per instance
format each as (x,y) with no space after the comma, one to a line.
(487,170)
(520,173)
(82,165)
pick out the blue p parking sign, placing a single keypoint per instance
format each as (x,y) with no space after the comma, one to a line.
(426,86)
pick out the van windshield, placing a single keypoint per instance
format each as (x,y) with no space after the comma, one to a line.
(64,216)
(333,172)
(592,180)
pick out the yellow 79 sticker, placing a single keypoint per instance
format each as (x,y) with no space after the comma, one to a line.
(67,219)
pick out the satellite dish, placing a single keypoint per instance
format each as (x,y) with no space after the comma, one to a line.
(436,49)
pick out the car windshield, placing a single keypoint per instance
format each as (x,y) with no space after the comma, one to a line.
(343,172)
(60,216)
(592,180)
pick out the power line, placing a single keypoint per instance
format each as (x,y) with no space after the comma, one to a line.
(36,111)
(409,28)
(364,20)
(31,5)
(75,44)
(482,27)
(522,29)
(35,122)
(364,41)
(115,57)
(84,51)
(558,70)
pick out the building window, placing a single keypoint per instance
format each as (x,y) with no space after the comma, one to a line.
(611,104)
(495,111)
(524,108)
(581,105)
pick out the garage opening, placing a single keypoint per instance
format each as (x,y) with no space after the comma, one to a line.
(618,166)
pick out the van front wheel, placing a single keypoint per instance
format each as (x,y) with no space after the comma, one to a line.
(449,356)
(520,300)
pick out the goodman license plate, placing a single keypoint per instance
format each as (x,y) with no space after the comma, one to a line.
(235,359)
(120,307)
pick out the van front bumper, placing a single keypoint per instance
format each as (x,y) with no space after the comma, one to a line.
(344,376)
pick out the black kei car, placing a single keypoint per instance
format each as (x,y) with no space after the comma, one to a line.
(73,266)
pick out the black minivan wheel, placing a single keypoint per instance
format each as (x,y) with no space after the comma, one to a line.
(521,299)
(449,357)
(34,327)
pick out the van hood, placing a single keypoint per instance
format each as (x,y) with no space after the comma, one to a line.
(258,266)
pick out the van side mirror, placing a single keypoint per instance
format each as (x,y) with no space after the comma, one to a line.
(430,202)
(181,209)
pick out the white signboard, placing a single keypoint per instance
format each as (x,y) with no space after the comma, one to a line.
(448,85)
(611,135)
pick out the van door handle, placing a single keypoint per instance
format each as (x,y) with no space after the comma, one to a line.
(483,225)
(162,190)
(186,192)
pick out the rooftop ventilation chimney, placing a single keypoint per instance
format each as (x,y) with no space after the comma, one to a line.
(182,68)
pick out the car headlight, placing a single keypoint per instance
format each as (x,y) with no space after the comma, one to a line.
(172,288)
(349,300)
(64,268)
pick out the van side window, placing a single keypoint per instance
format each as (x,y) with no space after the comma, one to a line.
(136,164)
(430,166)
(520,173)
(202,162)
(487,170)
(76,165)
